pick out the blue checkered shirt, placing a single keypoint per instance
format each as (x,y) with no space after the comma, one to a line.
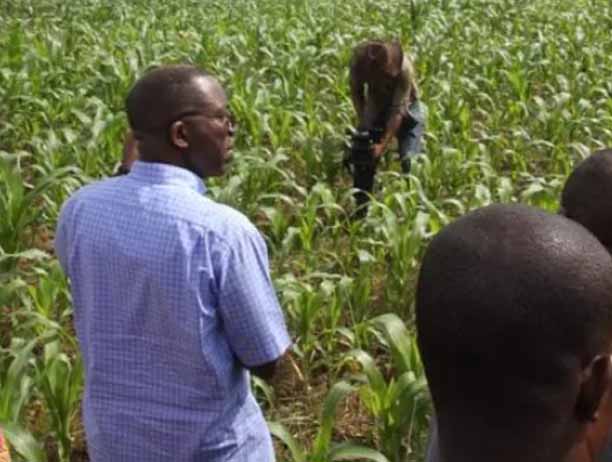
(172,296)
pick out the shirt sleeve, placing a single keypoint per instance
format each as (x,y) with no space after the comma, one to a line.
(249,308)
(401,94)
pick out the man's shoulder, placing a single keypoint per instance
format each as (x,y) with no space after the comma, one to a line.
(190,206)
(210,216)
(229,223)
(90,192)
(97,187)
(406,74)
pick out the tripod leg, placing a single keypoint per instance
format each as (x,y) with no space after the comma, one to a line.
(363,181)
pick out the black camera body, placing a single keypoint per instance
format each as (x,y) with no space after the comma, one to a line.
(362,164)
(359,150)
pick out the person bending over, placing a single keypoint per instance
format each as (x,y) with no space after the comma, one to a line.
(386,97)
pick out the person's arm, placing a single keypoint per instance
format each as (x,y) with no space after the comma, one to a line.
(266,371)
(248,306)
(393,125)
(397,111)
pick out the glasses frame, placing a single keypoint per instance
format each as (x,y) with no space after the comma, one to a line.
(227,117)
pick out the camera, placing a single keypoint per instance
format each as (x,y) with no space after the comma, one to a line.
(362,164)
(358,149)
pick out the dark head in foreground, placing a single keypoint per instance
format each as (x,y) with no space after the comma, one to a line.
(587,195)
(514,318)
(179,116)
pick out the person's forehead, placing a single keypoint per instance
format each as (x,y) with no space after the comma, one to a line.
(209,91)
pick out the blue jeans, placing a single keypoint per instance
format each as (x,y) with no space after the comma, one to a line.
(410,134)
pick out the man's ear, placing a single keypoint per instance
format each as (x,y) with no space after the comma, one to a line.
(178,135)
(595,382)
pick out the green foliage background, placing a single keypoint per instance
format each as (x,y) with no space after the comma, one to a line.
(517,92)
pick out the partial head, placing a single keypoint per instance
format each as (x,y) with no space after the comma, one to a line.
(378,60)
(587,195)
(179,115)
(514,321)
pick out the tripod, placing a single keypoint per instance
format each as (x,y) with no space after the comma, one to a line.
(360,162)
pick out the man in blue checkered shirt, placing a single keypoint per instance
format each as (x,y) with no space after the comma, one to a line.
(172,293)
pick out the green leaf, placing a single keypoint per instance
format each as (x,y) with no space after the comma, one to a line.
(30,254)
(279,431)
(23,442)
(349,451)
(266,389)
(328,416)
(399,341)
(375,378)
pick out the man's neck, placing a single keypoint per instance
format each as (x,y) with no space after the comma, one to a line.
(451,455)
(481,446)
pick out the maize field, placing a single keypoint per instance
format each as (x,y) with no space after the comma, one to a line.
(517,92)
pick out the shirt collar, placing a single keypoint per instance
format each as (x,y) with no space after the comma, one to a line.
(158,173)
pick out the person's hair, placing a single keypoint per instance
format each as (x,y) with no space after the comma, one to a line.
(160,95)
(587,195)
(509,299)
(376,55)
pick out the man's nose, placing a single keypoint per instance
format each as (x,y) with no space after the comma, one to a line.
(231,129)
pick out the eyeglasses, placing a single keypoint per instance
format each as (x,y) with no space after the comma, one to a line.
(226,117)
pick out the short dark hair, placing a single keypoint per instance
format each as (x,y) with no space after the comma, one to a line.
(160,95)
(508,298)
(587,195)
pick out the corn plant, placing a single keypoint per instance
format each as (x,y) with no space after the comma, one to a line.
(310,311)
(400,241)
(44,306)
(23,443)
(17,383)
(400,402)
(511,110)
(323,450)
(10,278)
(60,382)
(18,204)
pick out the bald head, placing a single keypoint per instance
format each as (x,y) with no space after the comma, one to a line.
(163,94)
(179,116)
(587,195)
(512,303)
